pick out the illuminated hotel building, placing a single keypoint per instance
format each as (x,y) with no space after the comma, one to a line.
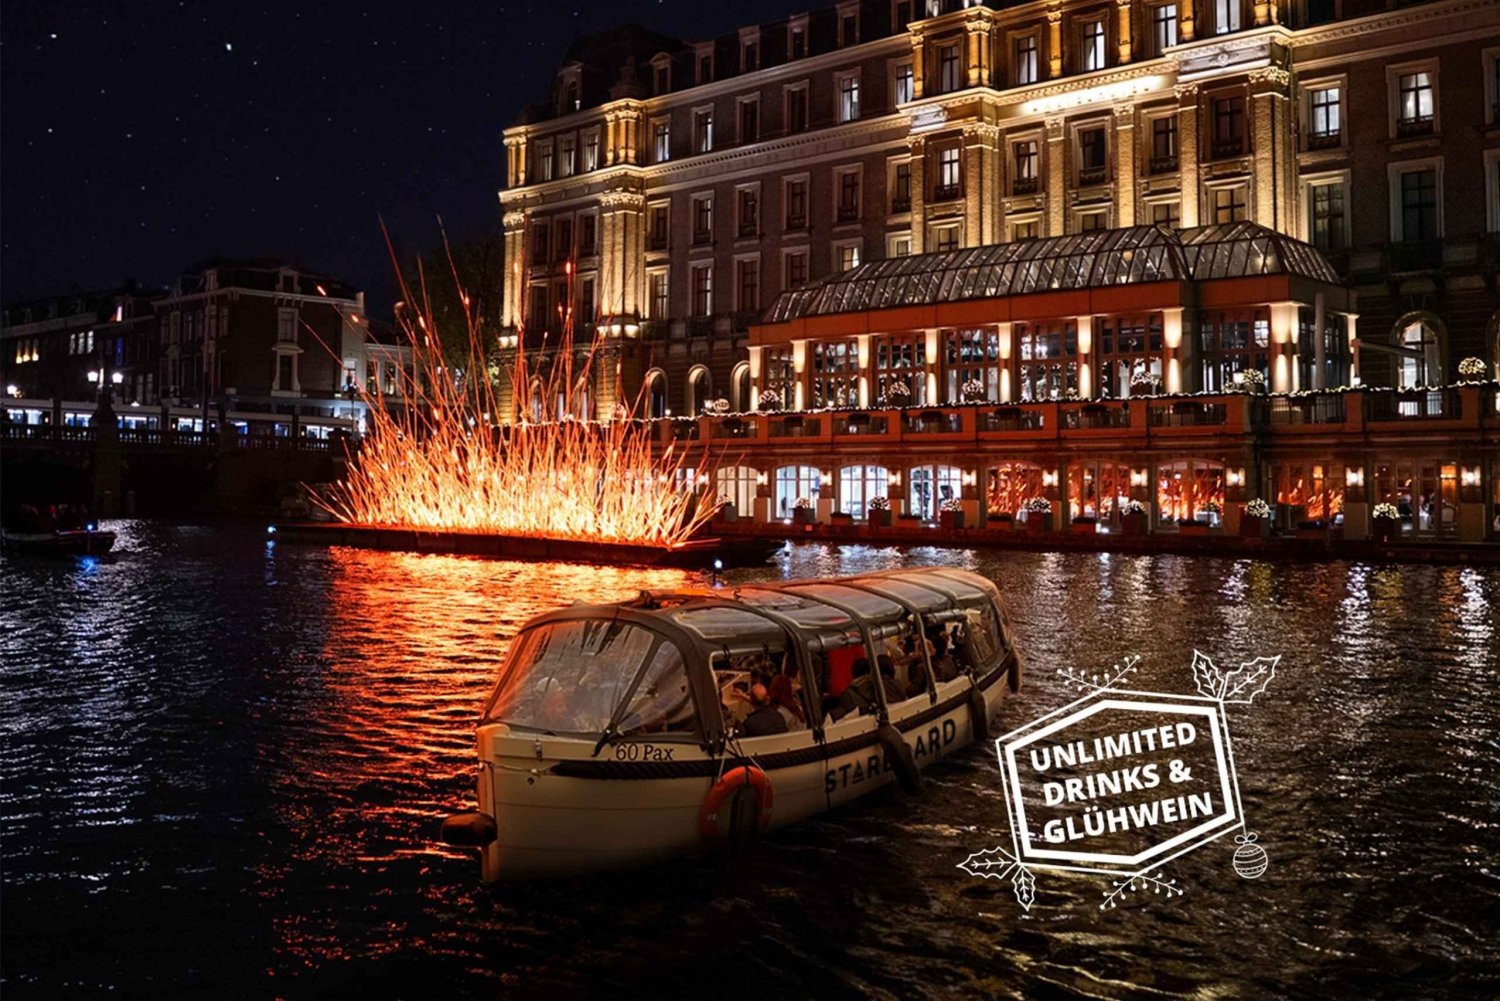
(1029,205)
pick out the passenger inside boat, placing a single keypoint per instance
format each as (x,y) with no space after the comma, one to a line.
(860,697)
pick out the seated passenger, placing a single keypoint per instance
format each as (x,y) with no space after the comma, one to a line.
(893,692)
(764,718)
(857,696)
(783,691)
(944,667)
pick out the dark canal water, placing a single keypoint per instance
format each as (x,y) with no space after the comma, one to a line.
(225,764)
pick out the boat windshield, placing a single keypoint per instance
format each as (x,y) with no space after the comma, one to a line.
(579,676)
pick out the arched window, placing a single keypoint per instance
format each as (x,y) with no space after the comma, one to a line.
(736,485)
(1422,339)
(699,388)
(858,485)
(929,486)
(1098,489)
(1010,485)
(739,388)
(656,393)
(793,482)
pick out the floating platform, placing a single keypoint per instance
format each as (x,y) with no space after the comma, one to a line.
(699,554)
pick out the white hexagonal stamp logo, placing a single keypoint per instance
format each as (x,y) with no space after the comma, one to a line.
(1120,782)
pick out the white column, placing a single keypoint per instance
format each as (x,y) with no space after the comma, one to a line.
(1007,341)
(1085,357)
(1171,333)
(1283,344)
(934,365)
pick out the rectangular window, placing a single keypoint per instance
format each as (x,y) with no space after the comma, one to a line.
(901,188)
(1092,156)
(749,285)
(1327,207)
(703,219)
(705,69)
(658,296)
(1026,230)
(1226,16)
(544,162)
(796,109)
(540,245)
(948,69)
(848,98)
(901,358)
(750,56)
(540,318)
(1093,45)
(1166,214)
(564,238)
(1419,219)
(703,130)
(588,230)
(945,238)
(1163,28)
(1324,119)
(586,300)
(1026,168)
(661,141)
(835,374)
(1415,104)
(846,256)
(656,235)
(1090,221)
(749,212)
(848,30)
(900,15)
(1026,60)
(848,189)
(1229,204)
(591,151)
(1164,144)
(703,289)
(567,159)
(663,79)
(797,43)
(899,245)
(796,204)
(905,88)
(1229,126)
(948,176)
(749,121)
(796,268)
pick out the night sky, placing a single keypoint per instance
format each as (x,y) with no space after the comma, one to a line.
(137,138)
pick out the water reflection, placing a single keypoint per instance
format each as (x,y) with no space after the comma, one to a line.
(225,762)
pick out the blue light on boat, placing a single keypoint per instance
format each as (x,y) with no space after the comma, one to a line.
(270,529)
(93,527)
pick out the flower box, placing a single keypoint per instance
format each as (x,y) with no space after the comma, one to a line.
(1189,527)
(804,516)
(1002,521)
(841,518)
(1133,524)
(727,512)
(951,520)
(1253,527)
(1385,529)
(879,519)
(1084,526)
(910,520)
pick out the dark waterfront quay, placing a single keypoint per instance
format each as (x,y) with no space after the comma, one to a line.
(225,763)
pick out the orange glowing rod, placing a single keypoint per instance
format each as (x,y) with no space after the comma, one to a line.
(436,457)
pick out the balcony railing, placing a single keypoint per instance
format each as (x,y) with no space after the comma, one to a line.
(1096,416)
(1023,186)
(1187,413)
(901,203)
(1326,409)
(932,422)
(656,241)
(1324,140)
(1228,147)
(1414,404)
(945,192)
(733,427)
(1163,164)
(796,426)
(702,237)
(861,424)
(749,229)
(1012,419)
(1092,175)
(796,222)
(848,213)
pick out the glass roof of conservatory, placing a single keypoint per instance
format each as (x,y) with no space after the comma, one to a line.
(1133,255)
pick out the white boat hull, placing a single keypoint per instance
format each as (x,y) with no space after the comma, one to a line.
(558,810)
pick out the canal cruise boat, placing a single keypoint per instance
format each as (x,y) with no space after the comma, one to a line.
(622,734)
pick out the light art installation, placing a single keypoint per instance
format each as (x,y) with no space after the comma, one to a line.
(434,456)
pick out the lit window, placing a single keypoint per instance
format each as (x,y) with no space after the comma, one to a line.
(905,89)
(1229,204)
(848,98)
(1093,45)
(1026,60)
(1027,157)
(661,141)
(848,256)
(1414,102)
(900,245)
(703,130)
(948,69)
(658,297)
(1166,214)
(1163,28)
(1090,221)
(1324,119)
(591,151)
(1326,204)
(1226,16)
(947,174)
(945,238)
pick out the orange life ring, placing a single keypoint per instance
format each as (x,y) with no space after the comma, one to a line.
(744,777)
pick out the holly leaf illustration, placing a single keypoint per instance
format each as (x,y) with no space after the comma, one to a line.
(988,863)
(1025,887)
(1243,685)
(1206,677)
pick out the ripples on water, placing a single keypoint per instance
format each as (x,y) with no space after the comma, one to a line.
(225,763)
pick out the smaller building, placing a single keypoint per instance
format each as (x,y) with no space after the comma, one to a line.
(62,346)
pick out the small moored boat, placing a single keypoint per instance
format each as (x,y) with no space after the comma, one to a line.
(623,734)
(88,541)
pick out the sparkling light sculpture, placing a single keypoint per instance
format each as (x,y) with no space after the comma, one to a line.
(435,457)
